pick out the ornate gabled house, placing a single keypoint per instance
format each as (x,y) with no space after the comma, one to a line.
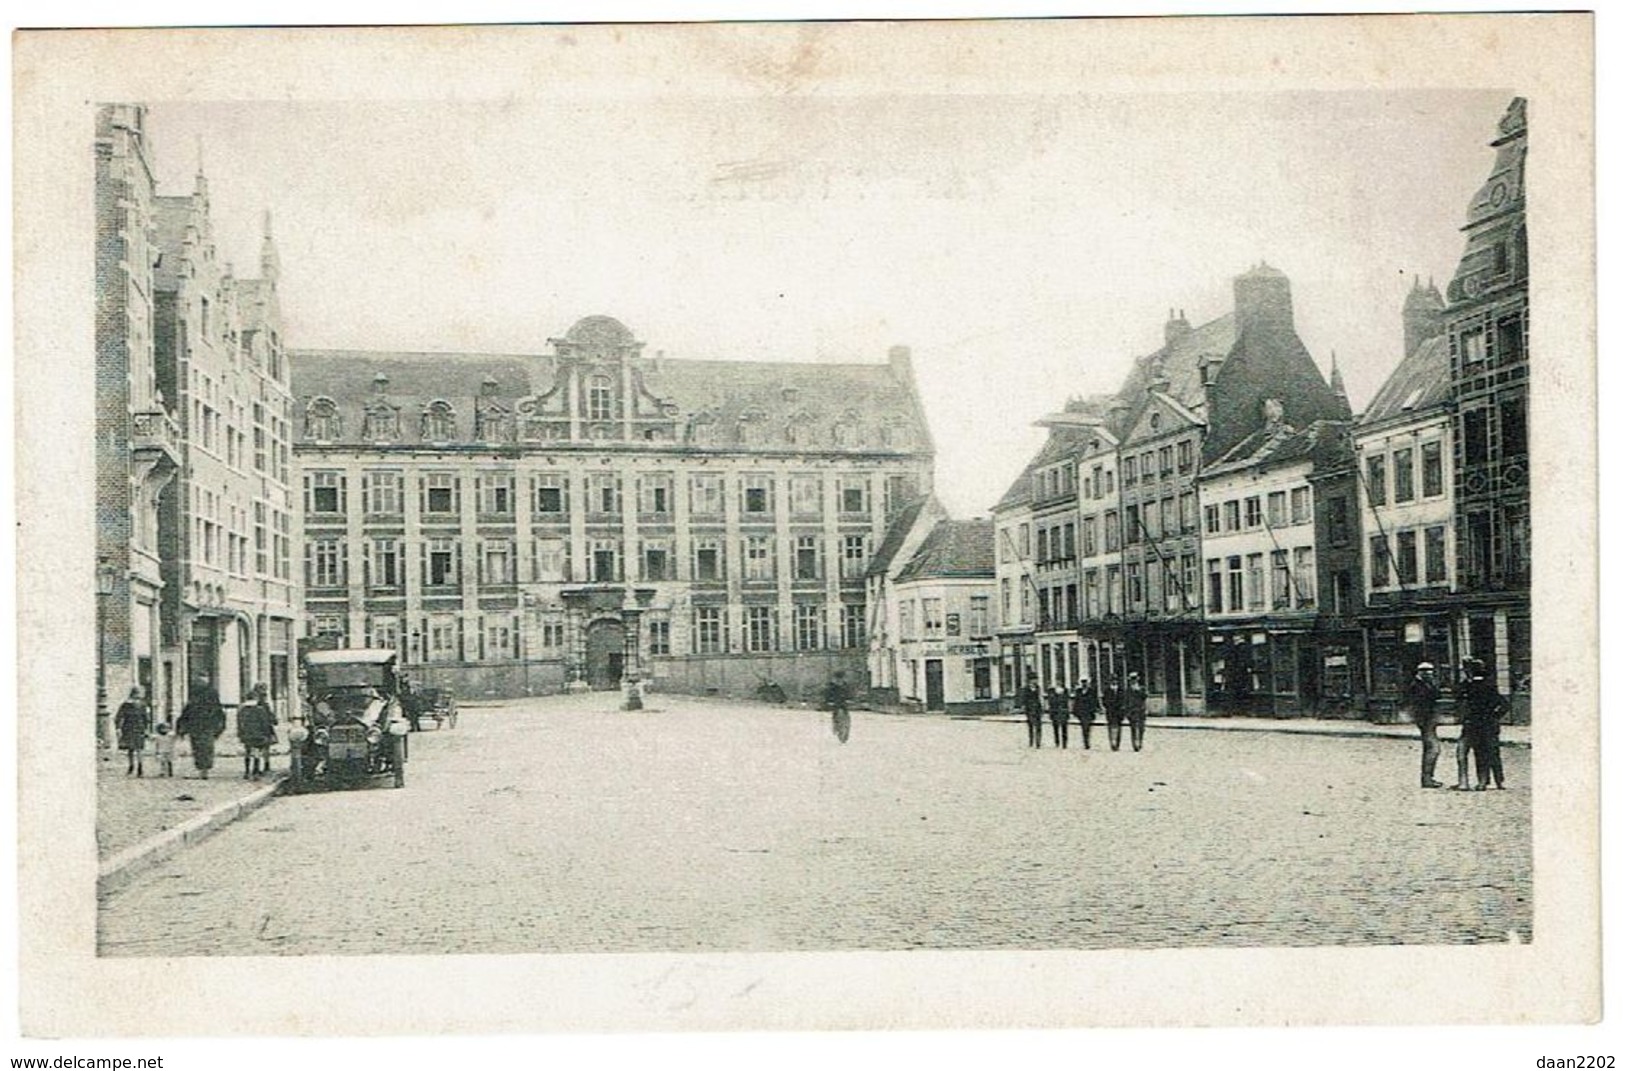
(138,441)
(589,516)
(195,515)
(1486,326)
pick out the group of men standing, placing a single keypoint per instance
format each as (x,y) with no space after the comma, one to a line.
(1119,703)
(1482,706)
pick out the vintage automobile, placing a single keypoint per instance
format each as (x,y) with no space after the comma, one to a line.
(353,727)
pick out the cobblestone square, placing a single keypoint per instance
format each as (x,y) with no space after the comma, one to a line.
(567,825)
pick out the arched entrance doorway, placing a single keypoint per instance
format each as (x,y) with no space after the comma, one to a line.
(606,654)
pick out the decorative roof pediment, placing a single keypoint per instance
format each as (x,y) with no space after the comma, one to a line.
(1160,416)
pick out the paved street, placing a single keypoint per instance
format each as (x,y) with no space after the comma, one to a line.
(565,825)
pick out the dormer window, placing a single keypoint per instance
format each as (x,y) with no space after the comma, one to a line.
(383,424)
(322,421)
(750,428)
(494,424)
(439,422)
(600,399)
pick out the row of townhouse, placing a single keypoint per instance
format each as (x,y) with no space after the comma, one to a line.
(1223,527)
(195,516)
(1150,515)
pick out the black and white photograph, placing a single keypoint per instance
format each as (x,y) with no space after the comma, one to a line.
(654,526)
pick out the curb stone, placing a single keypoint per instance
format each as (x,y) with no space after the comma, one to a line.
(117,870)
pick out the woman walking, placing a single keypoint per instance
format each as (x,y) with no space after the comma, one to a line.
(202,721)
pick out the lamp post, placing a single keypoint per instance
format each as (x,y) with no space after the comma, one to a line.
(106,581)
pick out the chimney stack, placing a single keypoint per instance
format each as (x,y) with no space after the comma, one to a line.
(902,363)
(1263,300)
(1176,328)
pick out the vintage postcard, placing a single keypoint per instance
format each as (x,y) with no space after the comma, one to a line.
(807,526)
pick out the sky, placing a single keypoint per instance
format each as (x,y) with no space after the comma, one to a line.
(1025,246)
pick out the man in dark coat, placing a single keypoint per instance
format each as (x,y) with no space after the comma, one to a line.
(1084,701)
(256,729)
(133,722)
(1481,725)
(1111,699)
(1060,712)
(1424,700)
(1134,710)
(1032,705)
(202,721)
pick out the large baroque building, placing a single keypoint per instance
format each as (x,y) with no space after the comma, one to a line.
(194,517)
(592,515)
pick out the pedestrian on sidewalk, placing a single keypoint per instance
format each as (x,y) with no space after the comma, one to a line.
(202,721)
(1424,699)
(256,729)
(1060,712)
(1084,702)
(837,698)
(163,750)
(132,722)
(1032,705)
(1481,725)
(1134,710)
(1111,700)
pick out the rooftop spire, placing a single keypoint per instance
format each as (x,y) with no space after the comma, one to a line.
(270,263)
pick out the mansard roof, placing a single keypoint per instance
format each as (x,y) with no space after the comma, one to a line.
(953,550)
(1181,361)
(1419,383)
(791,406)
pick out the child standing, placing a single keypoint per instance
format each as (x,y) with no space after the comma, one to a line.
(163,749)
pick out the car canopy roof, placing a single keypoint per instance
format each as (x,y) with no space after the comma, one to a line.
(350,655)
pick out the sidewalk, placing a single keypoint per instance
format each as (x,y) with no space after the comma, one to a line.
(141,821)
(1511,735)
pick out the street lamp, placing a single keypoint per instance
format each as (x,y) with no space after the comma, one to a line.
(106,581)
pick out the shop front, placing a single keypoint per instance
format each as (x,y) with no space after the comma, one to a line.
(1395,645)
(1269,671)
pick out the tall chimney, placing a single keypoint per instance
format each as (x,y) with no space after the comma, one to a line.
(901,360)
(1263,300)
(1176,328)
